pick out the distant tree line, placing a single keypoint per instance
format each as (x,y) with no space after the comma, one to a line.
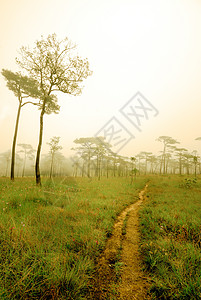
(94,157)
(52,164)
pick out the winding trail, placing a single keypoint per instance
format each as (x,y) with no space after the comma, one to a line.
(133,283)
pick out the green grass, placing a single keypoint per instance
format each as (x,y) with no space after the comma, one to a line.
(171,237)
(51,236)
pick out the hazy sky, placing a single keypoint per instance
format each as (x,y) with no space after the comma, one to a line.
(150,46)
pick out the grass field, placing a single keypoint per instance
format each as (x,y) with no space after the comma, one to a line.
(51,236)
(171,237)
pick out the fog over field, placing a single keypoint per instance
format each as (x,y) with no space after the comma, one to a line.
(100,149)
(151,47)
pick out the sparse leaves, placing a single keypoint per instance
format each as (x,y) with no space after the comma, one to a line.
(55,66)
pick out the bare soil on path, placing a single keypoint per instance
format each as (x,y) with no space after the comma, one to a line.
(133,283)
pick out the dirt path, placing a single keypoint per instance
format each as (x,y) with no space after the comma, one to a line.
(133,281)
(133,284)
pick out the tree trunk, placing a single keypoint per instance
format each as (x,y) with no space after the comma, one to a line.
(107,171)
(96,171)
(83,169)
(132,173)
(89,164)
(37,165)
(164,158)
(114,169)
(161,164)
(25,154)
(180,171)
(146,166)
(12,172)
(99,169)
(187,168)
(51,169)
(139,165)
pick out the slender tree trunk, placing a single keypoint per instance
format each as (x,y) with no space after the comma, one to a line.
(114,168)
(25,154)
(132,173)
(83,169)
(167,165)
(164,158)
(12,171)
(51,168)
(37,165)
(145,166)
(187,168)
(180,171)
(152,168)
(161,163)
(139,165)
(89,164)
(97,162)
(99,169)
(75,170)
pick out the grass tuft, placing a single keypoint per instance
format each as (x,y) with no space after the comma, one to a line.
(171,239)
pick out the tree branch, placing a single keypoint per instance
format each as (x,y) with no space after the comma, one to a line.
(29,102)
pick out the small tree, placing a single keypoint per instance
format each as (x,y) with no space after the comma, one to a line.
(166,140)
(187,157)
(101,148)
(133,159)
(18,163)
(22,87)
(195,161)
(56,67)
(28,151)
(87,150)
(145,155)
(54,148)
(6,158)
(180,153)
(93,151)
(153,163)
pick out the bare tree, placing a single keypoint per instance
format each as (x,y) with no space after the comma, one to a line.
(56,67)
